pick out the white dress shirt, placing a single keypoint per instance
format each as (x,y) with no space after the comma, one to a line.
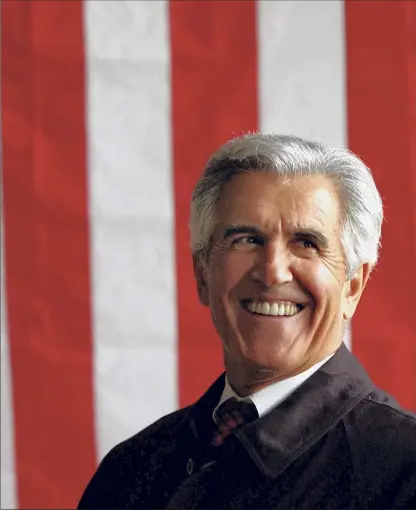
(272,395)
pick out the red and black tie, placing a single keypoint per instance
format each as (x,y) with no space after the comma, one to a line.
(232,414)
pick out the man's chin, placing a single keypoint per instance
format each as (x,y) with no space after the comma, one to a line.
(263,362)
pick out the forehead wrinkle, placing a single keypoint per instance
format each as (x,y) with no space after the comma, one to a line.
(278,222)
(282,210)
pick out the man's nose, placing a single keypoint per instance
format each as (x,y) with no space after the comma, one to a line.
(273,266)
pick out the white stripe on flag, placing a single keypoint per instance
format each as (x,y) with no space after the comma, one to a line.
(8,476)
(302,68)
(132,222)
(302,71)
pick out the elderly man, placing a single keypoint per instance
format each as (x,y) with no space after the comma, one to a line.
(284,234)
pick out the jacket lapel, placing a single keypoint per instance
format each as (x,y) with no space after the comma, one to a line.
(282,435)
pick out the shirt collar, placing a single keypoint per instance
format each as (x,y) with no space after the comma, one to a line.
(272,395)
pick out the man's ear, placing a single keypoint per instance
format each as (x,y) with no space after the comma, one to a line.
(201,279)
(354,288)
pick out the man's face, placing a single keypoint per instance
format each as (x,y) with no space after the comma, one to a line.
(276,250)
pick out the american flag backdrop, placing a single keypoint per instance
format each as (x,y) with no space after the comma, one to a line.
(110,110)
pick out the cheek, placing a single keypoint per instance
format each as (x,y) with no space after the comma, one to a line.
(321,283)
(227,271)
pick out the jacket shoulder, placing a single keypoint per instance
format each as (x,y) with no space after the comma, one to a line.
(382,417)
(381,438)
(120,468)
(161,432)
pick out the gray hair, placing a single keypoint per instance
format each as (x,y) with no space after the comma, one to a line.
(291,156)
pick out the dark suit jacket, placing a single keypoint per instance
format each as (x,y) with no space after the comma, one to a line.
(336,442)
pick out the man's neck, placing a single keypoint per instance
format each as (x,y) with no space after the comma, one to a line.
(247,381)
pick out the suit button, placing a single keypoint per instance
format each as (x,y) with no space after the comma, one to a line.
(190,467)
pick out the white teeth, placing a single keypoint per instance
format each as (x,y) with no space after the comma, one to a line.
(266,308)
(274,309)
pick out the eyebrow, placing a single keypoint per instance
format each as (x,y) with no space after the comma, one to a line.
(309,233)
(241,229)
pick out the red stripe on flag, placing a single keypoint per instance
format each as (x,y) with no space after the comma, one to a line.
(47,250)
(381,66)
(214,97)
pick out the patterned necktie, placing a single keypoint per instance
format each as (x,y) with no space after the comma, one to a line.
(231,414)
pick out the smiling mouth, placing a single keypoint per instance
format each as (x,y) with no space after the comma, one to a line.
(275,309)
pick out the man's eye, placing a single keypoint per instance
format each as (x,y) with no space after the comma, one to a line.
(246,240)
(307,243)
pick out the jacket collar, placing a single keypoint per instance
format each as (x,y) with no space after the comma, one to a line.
(283,434)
